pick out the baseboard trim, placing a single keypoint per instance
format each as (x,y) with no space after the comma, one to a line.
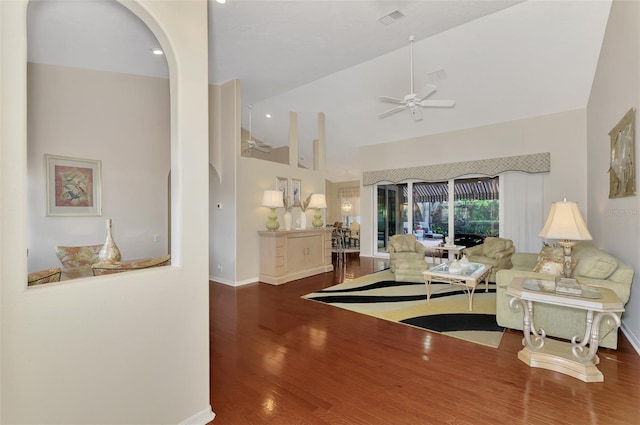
(203,417)
(633,339)
(220,280)
(233,283)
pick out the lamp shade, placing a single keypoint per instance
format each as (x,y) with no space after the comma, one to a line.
(318,200)
(565,222)
(272,199)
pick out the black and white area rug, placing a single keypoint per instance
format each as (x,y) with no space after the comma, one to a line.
(379,295)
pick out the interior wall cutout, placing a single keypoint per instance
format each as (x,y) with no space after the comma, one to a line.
(93,94)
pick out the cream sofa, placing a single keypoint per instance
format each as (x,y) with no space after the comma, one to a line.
(593,267)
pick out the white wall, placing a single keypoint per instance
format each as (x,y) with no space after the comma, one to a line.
(120,119)
(562,134)
(615,223)
(238,185)
(127,348)
(224,103)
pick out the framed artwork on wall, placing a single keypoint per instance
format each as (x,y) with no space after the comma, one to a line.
(296,188)
(622,170)
(73,186)
(282,184)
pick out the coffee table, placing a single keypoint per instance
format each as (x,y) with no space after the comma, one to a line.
(573,359)
(468,277)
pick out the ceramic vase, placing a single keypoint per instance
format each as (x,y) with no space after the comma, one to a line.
(303,220)
(288,219)
(109,251)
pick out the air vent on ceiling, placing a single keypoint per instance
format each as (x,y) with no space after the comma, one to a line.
(438,75)
(391,17)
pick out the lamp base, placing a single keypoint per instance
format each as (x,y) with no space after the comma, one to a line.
(273,224)
(566,280)
(317,219)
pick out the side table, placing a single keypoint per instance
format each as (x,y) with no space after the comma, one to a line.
(575,358)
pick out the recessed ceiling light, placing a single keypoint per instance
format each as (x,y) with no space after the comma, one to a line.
(221,1)
(157,51)
(267,115)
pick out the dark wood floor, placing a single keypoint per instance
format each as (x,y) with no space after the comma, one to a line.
(279,359)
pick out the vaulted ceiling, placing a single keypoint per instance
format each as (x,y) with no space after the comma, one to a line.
(499,60)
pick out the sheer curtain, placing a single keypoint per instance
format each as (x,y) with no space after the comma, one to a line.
(523,213)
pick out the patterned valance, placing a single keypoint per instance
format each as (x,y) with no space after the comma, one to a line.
(533,163)
(349,192)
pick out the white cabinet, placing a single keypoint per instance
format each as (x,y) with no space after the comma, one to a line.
(288,255)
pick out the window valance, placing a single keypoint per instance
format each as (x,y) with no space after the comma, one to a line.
(349,192)
(532,163)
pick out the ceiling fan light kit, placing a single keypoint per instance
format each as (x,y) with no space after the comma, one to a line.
(414,101)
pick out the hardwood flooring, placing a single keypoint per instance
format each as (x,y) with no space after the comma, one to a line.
(279,359)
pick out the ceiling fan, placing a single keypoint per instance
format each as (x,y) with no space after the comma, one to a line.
(414,101)
(255,144)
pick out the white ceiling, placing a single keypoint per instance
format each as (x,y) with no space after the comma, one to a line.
(504,60)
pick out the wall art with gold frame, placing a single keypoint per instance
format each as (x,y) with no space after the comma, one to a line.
(622,169)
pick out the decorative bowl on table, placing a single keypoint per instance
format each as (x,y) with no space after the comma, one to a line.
(464,262)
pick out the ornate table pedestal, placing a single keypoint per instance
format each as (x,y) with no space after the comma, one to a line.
(577,358)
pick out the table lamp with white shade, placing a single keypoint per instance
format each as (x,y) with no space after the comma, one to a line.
(272,199)
(318,201)
(566,223)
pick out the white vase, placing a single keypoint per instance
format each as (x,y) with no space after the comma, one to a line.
(303,220)
(288,219)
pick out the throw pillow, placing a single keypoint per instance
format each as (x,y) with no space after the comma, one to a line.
(595,263)
(550,261)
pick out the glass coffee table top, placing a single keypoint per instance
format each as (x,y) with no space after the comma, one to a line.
(549,286)
(463,271)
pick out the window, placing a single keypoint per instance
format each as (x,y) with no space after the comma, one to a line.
(476,208)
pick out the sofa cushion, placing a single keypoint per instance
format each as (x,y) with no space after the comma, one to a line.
(492,246)
(595,263)
(550,260)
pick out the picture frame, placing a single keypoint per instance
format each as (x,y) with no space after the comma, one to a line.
(622,169)
(73,186)
(296,191)
(282,184)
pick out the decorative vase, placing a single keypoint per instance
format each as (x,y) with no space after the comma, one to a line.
(303,220)
(109,251)
(288,219)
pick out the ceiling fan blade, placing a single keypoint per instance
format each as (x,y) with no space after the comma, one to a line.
(392,111)
(391,100)
(434,103)
(416,114)
(427,91)
(262,149)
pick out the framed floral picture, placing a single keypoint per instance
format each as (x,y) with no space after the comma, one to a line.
(282,184)
(622,170)
(73,186)
(296,188)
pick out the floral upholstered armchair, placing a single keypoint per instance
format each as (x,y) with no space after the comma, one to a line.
(406,248)
(105,267)
(44,276)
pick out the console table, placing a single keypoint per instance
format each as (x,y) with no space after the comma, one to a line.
(573,359)
(287,255)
